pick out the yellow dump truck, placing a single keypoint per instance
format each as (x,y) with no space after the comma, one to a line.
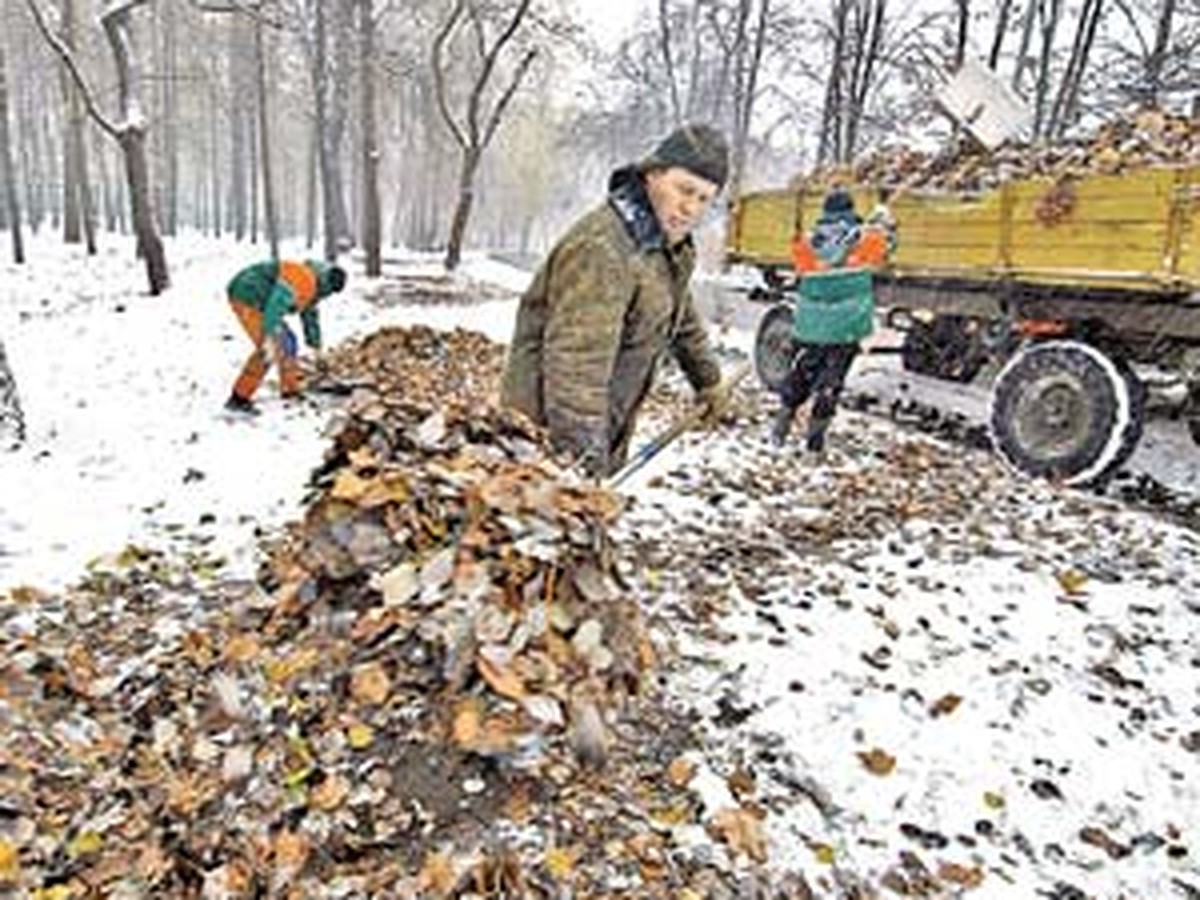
(1084,292)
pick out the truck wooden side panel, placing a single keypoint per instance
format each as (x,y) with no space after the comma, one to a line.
(1136,231)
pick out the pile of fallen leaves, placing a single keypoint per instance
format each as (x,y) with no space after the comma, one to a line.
(414,699)
(1149,138)
(419,365)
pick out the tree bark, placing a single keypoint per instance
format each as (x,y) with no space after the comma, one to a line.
(264,138)
(371,225)
(72,138)
(12,204)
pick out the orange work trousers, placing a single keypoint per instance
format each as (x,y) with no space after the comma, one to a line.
(257,364)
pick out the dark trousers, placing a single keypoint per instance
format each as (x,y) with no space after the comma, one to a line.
(818,371)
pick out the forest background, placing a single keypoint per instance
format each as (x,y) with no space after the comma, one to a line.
(449,124)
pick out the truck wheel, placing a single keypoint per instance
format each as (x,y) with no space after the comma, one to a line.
(1132,435)
(1191,411)
(774,346)
(1064,410)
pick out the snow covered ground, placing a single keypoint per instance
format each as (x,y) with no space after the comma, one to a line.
(992,683)
(123,393)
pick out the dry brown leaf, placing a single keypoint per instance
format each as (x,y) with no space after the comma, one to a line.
(967,876)
(370,684)
(350,486)
(681,771)
(743,831)
(945,705)
(291,851)
(330,793)
(741,784)
(467,728)
(280,670)
(878,761)
(10,862)
(437,874)
(360,735)
(1072,581)
(501,679)
(560,862)
(242,648)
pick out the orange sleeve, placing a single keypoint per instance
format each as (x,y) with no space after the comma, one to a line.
(870,252)
(803,257)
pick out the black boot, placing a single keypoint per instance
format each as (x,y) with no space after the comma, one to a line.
(815,443)
(782,425)
(237,403)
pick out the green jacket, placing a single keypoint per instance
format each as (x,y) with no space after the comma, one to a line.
(608,302)
(835,307)
(277,289)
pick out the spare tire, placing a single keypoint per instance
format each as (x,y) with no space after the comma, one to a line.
(774,346)
(1064,410)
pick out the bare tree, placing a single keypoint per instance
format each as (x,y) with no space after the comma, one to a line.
(478,126)
(1049,14)
(12,205)
(372,236)
(77,214)
(1067,98)
(264,136)
(326,50)
(857,39)
(129,130)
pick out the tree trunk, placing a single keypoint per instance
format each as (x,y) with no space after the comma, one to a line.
(12,420)
(462,211)
(72,137)
(1049,12)
(964,32)
(371,226)
(264,139)
(1158,56)
(8,172)
(132,138)
(214,158)
(310,186)
(137,173)
(170,122)
(238,165)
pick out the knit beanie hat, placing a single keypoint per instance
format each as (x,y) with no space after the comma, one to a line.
(330,278)
(700,149)
(839,204)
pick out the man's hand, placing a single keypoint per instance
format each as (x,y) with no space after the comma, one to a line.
(716,401)
(320,363)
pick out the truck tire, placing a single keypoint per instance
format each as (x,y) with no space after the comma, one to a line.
(1192,412)
(1132,435)
(774,346)
(1064,410)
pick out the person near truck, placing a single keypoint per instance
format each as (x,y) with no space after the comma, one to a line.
(612,298)
(261,296)
(835,310)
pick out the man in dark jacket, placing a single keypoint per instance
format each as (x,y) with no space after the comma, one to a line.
(612,297)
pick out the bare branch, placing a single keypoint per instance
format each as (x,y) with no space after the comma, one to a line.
(72,66)
(439,76)
(506,97)
(489,63)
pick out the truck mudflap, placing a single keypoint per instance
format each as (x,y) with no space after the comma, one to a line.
(1064,410)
